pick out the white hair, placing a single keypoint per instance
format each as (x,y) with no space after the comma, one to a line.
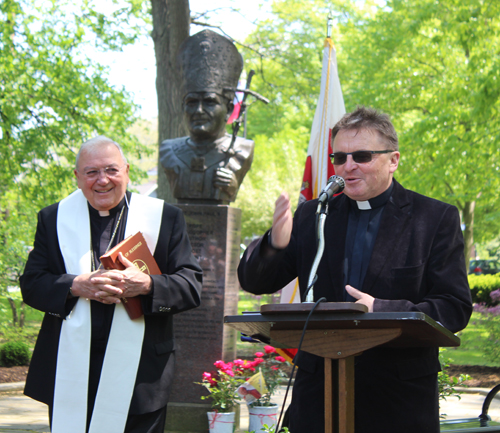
(95,143)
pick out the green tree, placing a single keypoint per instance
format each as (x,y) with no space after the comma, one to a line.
(286,52)
(433,66)
(53,97)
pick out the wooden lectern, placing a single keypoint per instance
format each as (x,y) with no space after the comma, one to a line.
(339,331)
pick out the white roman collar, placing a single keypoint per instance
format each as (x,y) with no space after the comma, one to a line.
(363,205)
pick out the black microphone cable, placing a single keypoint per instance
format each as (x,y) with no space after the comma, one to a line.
(298,351)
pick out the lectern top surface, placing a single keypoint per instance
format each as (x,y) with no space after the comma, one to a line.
(418,329)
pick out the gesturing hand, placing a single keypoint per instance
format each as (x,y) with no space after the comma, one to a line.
(282,222)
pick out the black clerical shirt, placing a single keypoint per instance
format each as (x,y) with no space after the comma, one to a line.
(362,228)
(101,230)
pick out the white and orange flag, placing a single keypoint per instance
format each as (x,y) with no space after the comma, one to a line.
(318,168)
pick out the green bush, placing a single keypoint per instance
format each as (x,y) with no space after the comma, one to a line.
(446,383)
(14,353)
(481,286)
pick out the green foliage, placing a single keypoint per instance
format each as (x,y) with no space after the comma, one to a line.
(489,341)
(53,97)
(286,53)
(277,166)
(222,386)
(270,429)
(481,286)
(433,66)
(473,344)
(492,348)
(446,383)
(270,366)
(14,353)
(490,250)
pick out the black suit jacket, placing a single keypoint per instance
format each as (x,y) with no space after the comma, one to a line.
(417,264)
(45,286)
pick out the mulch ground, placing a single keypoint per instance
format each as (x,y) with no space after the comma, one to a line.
(481,377)
(13,374)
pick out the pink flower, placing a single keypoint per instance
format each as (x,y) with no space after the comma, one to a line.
(280,359)
(219,364)
(269,349)
(208,378)
(239,362)
(229,372)
(258,361)
(495,295)
(259,354)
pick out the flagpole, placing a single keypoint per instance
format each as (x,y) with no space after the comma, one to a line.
(329,25)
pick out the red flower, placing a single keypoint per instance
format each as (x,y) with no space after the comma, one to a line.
(259,354)
(208,378)
(280,359)
(269,349)
(258,361)
(219,364)
(229,372)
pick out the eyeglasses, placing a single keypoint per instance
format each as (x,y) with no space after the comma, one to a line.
(360,156)
(109,172)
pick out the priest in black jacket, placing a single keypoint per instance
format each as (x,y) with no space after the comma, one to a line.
(388,248)
(94,367)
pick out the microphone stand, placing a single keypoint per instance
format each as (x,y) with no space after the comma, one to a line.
(322,212)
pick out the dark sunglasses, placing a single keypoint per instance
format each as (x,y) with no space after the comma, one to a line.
(360,156)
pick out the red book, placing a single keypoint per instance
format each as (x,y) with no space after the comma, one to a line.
(135,249)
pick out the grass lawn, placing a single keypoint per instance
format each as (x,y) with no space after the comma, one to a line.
(471,349)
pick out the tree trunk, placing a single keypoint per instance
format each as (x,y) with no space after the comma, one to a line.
(170,27)
(22,315)
(468,219)
(14,311)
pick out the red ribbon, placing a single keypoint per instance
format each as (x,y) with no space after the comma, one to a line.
(263,415)
(217,417)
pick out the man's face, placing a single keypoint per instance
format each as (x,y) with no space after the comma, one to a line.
(365,180)
(206,115)
(102,176)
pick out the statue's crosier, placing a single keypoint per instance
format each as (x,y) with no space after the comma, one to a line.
(206,168)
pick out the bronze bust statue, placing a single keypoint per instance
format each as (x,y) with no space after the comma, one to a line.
(205,168)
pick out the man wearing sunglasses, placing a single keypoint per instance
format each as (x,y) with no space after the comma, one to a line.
(388,248)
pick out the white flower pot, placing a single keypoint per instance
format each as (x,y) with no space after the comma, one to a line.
(221,422)
(260,415)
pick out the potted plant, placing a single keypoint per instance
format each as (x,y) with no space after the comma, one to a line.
(259,389)
(222,385)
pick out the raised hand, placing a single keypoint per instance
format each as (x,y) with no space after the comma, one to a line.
(282,222)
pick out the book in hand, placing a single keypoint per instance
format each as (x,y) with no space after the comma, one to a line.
(135,249)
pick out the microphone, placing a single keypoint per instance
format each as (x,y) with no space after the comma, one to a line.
(334,185)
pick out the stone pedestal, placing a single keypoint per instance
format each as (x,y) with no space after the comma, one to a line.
(200,334)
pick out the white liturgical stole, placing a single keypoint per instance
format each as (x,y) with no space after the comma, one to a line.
(123,351)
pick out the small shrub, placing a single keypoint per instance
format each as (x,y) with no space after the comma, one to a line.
(481,286)
(14,353)
(446,383)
